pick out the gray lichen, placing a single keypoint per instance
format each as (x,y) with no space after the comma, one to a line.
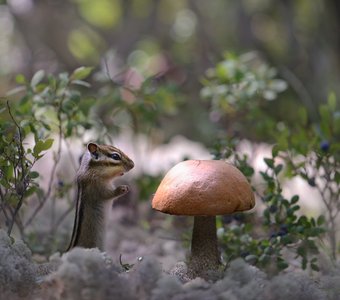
(87,274)
(17,270)
(91,274)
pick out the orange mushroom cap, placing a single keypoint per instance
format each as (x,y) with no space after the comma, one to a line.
(203,188)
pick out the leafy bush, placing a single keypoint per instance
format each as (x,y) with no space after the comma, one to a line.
(49,106)
(283,226)
(310,151)
(240,90)
(54,110)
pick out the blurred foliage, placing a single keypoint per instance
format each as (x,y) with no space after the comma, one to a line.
(140,108)
(240,87)
(147,186)
(180,40)
(102,13)
(309,151)
(17,180)
(235,81)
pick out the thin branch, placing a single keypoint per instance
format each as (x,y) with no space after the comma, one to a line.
(54,168)
(74,161)
(60,128)
(21,180)
(64,215)
(3,206)
(300,90)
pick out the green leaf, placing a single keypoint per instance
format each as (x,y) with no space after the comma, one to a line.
(34,174)
(281,264)
(37,77)
(30,191)
(20,79)
(81,73)
(269,162)
(301,251)
(5,183)
(264,258)
(63,79)
(278,169)
(275,150)
(42,146)
(321,220)
(332,101)
(81,82)
(312,221)
(294,199)
(282,141)
(315,267)
(251,259)
(337,177)
(8,172)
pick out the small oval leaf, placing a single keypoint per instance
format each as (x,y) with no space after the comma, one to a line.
(81,73)
(37,77)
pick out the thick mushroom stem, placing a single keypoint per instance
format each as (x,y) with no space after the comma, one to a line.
(204,251)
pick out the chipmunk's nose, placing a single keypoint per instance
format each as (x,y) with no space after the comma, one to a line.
(129,165)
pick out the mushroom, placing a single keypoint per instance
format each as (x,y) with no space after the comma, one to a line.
(203,189)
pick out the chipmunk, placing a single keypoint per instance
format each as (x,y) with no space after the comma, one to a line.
(99,166)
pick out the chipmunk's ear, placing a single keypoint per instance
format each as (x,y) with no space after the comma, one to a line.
(93,149)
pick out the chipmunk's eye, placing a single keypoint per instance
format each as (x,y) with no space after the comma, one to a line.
(116,156)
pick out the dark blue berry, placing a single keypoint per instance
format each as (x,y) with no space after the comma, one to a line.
(239,217)
(273,209)
(282,232)
(311,181)
(227,219)
(324,146)
(244,253)
(273,235)
(284,227)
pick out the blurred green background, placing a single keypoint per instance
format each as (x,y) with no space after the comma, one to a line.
(177,41)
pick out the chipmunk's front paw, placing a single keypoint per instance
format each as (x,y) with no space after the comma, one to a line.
(122,190)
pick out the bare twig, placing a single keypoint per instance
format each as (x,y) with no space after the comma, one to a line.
(23,173)
(3,206)
(53,171)
(64,215)
(60,138)
(301,91)
(74,161)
